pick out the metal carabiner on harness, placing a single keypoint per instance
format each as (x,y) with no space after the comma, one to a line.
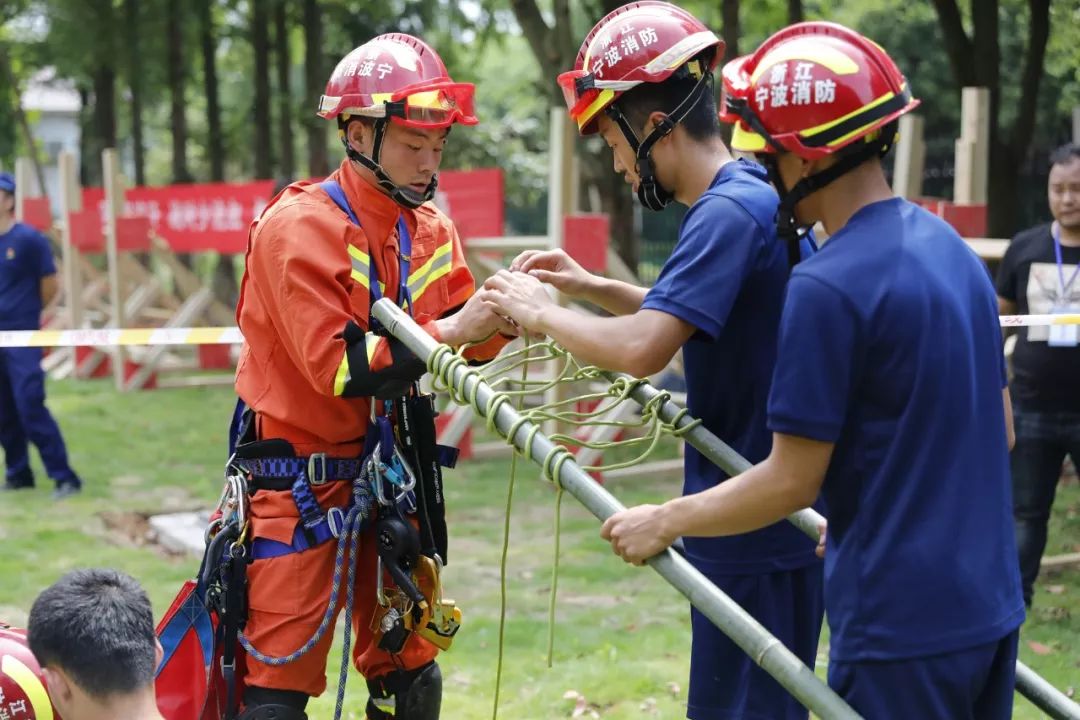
(233,504)
(398,473)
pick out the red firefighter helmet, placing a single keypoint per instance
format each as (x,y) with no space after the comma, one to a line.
(640,42)
(400,77)
(812,89)
(23,693)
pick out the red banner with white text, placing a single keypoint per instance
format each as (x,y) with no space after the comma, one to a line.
(216,216)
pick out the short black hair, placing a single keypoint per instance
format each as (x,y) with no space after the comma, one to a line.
(1065,154)
(701,122)
(98,627)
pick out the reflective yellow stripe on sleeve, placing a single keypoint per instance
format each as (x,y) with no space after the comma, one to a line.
(342,376)
(344,372)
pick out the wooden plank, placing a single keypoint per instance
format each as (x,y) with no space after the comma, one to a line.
(973,148)
(1058,563)
(72,261)
(988,248)
(114,206)
(561,200)
(24,184)
(508,244)
(910,158)
(188,283)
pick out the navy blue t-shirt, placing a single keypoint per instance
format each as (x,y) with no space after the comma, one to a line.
(890,347)
(25,258)
(726,277)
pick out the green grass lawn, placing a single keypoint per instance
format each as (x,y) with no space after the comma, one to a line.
(622,637)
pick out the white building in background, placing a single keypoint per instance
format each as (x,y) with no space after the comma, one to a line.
(52,109)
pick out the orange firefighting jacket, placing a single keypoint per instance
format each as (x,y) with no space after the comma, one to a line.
(304,301)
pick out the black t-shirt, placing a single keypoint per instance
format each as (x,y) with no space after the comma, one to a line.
(1045,378)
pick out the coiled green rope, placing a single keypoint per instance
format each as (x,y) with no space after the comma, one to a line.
(443,365)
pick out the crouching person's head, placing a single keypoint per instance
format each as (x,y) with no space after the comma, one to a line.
(93,634)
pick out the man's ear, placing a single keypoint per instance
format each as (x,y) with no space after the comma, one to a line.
(655,118)
(159,653)
(58,685)
(359,134)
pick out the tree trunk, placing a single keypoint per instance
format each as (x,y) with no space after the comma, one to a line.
(215,144)
(260,44)
(1002,190)
(314,84)
(730,13)
(1006,160)
(89,171)
(794,11)
(555,50)
(103,78)
(976,61)
(287,166)
(175,50)
(986,58)
(135,85)
(8,74)
(105,106)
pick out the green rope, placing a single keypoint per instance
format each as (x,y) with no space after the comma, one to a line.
(505,552)
(554,575)
(444,363)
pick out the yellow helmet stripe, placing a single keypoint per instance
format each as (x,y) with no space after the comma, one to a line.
(826,56)
(25,678)
(602,100)
(747,140)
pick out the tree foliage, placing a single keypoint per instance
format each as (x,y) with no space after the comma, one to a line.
(220,89)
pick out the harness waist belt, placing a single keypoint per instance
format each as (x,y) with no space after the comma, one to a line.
(279,473)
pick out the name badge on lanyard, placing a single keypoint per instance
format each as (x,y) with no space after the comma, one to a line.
(1063,335)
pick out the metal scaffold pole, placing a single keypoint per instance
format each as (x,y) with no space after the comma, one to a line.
(1028,683)
(735,622)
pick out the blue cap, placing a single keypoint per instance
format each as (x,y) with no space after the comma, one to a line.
(7,183)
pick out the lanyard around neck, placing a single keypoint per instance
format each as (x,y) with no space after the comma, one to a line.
(404,252)
(1056,234)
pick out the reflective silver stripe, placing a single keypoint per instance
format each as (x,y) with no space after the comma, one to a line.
(361,266)
(432,270)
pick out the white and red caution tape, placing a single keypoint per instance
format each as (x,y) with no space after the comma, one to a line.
(106,337)
(1029,320)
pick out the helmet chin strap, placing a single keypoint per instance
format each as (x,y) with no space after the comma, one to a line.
(406,197)
(651,194)
(788,228)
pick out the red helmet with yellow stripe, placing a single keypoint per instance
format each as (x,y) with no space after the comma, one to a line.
(641,42)
(395,78)
(400,77)
(22,687)
(812,89)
